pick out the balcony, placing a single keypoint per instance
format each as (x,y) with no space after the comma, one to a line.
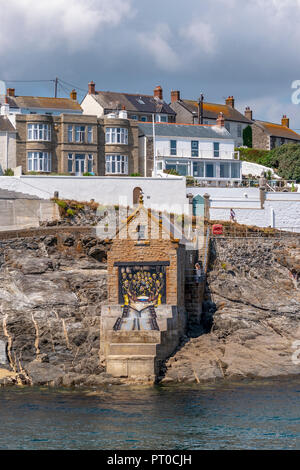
(202,154)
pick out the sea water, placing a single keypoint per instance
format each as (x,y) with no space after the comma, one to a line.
(248,415)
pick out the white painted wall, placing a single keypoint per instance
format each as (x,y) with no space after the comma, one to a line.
(184,149)
(7,151)
(281,210)
(255,169)
(159,192)
(91,107)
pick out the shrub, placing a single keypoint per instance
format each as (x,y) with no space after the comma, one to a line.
(8,172)
(135,174)
(262,157)
(247,136)
(172,172)
(70,213)
(286,159)
(87,174)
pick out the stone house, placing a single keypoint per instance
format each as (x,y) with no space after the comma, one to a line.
(76,144)
(139,107)
(204,152)
(267,135)
(191,112)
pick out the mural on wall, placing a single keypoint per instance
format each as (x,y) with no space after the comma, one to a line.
(142,284)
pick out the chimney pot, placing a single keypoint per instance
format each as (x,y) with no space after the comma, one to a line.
(10,91)
(175,96)
(158,92)
(92,88)
(285,121)
(73,95)
(230,101)
(249,113)
(221,120)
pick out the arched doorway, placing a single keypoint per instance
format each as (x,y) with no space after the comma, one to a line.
(136,195)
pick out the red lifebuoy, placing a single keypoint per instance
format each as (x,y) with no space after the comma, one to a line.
(217,229)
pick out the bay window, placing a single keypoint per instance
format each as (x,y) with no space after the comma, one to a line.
(39,161)
(116,135)
(116,164)
(39,132)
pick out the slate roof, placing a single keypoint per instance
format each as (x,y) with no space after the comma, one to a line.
(43,102)
(132,102)
(212,110)
(277,130)
(184,130)
(6,125)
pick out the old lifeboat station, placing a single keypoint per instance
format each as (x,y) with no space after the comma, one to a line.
(148,305)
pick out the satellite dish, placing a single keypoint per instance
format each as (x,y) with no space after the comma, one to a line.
(2,88)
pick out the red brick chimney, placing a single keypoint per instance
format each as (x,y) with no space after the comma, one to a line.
(10,92)
(221,120)
(175,96)
(230,101)
(249,113)
(73,95)
(285,121)
(158,92)
(92,88)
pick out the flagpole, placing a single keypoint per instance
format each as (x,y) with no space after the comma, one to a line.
(154,144)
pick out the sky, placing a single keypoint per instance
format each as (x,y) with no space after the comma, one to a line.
(245,48)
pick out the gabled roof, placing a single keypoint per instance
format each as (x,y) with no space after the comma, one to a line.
(43,103)
(132,102)
(277,130)
(172,230)
(212,110)
(6,125)
(184,130)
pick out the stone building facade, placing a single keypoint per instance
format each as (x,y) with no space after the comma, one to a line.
(267,135)
(76,144)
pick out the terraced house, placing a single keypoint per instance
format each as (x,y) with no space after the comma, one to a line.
(139,107)
(268,135)
(195,112)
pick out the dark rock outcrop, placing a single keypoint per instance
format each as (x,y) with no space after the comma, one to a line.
(252,314)
(50,307)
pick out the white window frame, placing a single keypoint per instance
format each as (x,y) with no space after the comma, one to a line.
(39,131)
(70,158)
(90,158)
(70,133)
(116,164)
(90,134)
(79,134)
(116,135)
(39,161)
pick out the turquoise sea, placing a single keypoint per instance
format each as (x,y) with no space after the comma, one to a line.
(247,415)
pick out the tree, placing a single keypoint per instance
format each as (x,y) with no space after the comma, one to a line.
(247,136)
(286,159)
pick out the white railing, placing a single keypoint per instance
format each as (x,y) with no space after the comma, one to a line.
(202,154)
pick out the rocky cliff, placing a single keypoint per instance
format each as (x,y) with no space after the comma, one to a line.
(52,289)
(251,314)
(50,306)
